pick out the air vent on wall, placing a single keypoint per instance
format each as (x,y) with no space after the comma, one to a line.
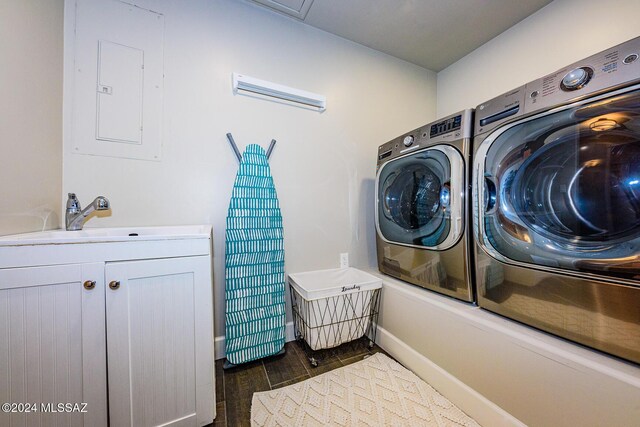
(246,85)
(295,8)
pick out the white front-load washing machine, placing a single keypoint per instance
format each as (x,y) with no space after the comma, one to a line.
(422,206)
(556,202)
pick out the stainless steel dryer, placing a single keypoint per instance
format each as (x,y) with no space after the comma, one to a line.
(556,202)
(422,206)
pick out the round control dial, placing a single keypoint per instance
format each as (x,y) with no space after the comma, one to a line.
(576,78)
(408,140)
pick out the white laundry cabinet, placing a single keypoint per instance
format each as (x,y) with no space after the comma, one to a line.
(116,328)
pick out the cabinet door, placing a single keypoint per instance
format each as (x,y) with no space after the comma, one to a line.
(52,344)
(160,342)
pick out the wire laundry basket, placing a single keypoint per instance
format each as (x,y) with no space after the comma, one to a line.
(338,313)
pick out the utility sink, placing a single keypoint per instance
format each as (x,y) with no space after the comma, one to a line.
(90,235)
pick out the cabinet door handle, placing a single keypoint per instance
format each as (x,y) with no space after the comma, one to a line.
(89,284)
(115,284)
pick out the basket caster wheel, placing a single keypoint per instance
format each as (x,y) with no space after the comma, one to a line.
(370,345)
(313,362)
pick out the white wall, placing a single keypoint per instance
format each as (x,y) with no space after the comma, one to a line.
(30,115)
(323,164)
(562,32)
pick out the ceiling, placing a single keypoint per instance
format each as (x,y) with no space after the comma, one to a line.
(430,33)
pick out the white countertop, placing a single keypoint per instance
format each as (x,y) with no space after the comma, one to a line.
(101,235)
(104,245)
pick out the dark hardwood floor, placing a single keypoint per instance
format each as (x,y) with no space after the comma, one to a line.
(235,387)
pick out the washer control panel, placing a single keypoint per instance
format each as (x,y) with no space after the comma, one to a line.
(617,66)
(445,126)
(452,128)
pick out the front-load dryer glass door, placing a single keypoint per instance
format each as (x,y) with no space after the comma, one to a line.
(419,198)
(562,189)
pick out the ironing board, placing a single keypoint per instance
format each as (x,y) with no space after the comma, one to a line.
(254,261)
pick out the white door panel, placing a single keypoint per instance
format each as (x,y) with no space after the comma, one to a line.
(52,343)
(159,338)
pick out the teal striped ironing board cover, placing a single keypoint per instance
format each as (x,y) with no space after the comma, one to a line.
(254,263)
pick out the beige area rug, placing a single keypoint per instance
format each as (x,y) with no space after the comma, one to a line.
(376,391)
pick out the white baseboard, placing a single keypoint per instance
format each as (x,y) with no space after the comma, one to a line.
(470,401)
(219,342)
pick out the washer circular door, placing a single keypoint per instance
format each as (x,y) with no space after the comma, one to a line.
(562,189)
(419,199)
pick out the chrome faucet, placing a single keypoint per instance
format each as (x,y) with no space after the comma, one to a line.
(74,217)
